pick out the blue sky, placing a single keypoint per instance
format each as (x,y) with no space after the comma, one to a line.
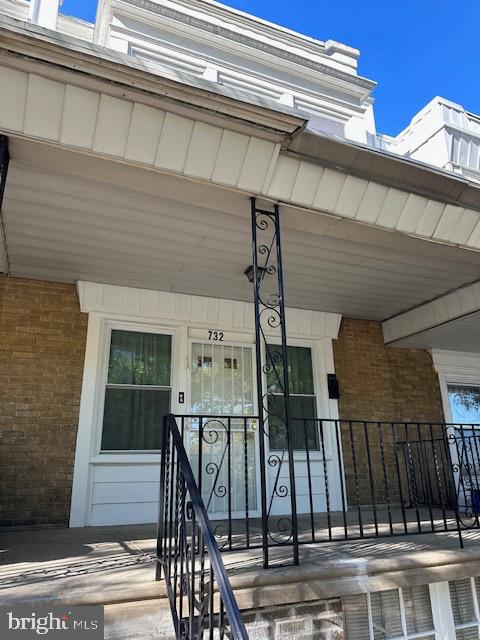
(414,49)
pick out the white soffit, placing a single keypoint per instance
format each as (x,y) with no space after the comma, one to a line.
(69,216)
(76,118)
(451,319)
(459,335)
(165,306)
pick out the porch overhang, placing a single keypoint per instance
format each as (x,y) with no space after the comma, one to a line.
(72,216)
(74,95)
(451,321)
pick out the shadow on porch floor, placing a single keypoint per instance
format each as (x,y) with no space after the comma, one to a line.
(116,563)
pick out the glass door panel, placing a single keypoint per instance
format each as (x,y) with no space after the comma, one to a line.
(223,441)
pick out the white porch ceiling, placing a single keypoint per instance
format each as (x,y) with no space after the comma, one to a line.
(69,216)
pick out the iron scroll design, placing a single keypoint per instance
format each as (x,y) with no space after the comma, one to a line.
(278,494)
(201,598)
(464,447)
(4,162)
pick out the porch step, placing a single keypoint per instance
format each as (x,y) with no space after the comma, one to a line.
(140,620)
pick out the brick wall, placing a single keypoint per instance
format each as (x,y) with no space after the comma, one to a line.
(42,346)
(383,384)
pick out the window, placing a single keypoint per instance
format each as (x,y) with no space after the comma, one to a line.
(464,596)
(137,396)
(396,614)
(464,404)
(303,403)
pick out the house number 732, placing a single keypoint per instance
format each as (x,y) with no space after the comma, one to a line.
(215,336)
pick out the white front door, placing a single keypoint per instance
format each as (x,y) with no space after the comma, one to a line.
(223,443)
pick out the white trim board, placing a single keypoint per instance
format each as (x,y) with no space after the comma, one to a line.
(455,367)
(451,306)
(233,315)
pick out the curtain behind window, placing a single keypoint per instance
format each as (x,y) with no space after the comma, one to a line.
(133,413)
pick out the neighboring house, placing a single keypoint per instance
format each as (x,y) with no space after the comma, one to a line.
(442,134)
(131,151)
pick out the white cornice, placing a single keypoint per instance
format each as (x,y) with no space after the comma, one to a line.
(302,54)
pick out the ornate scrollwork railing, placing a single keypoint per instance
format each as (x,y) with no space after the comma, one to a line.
(201,599)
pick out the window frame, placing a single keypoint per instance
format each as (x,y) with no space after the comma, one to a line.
(422,635)
(321,398)
(403,618)
(473,425)
(102,383)
(475,624)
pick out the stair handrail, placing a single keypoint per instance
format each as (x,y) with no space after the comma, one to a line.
(171,436)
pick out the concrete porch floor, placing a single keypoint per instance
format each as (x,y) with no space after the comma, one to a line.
(114,566)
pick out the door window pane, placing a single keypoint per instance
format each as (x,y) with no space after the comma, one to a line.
(221,380)
(302,408)
(464,404)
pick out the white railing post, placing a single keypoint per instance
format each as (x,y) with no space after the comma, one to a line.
(44,13)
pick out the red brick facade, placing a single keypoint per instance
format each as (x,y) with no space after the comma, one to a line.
(42,348)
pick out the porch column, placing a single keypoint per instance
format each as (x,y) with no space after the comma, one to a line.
(4,159)
(44,13)
(273,408)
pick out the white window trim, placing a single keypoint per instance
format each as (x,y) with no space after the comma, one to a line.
(108,327)
(88,448)
(455,367)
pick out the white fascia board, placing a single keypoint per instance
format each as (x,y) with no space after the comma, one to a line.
(124,124)
(163,306)
(451,306)
(63,58)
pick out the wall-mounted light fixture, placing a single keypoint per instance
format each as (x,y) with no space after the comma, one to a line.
(250,275)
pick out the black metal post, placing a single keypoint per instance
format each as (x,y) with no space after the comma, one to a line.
(269,301)
(261,417)
(4,161)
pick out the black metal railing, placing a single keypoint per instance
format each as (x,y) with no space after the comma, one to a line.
(201,598)
(354,479)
